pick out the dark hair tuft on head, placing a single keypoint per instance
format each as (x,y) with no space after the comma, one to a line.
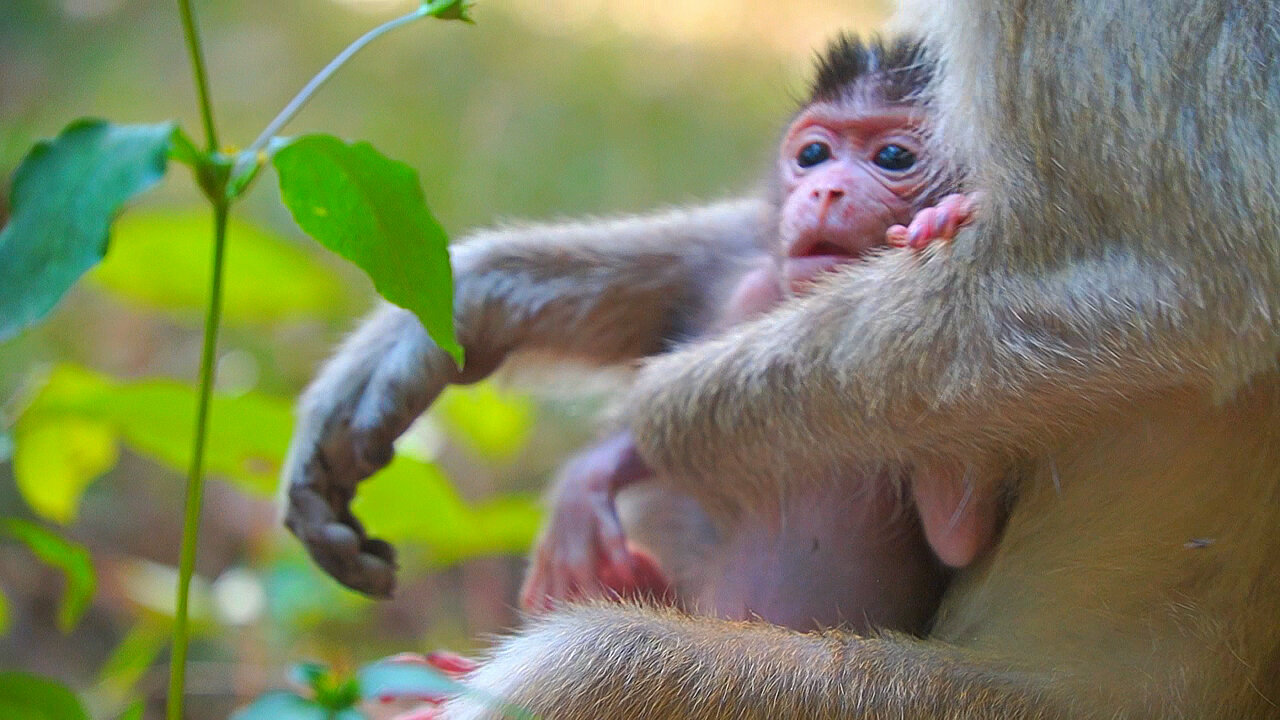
(899,68)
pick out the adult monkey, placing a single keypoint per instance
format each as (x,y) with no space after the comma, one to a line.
(1107,326)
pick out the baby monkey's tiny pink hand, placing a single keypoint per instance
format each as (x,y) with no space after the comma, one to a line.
(935,224)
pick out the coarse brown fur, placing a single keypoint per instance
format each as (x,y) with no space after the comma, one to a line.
(1134,579)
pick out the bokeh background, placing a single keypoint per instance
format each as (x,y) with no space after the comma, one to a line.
(543,109)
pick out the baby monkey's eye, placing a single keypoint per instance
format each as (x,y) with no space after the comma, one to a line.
(813,153)
(895,157)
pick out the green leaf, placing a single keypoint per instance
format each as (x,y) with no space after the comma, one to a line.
(398,679)
(58,459)
(283,705)
(4,615)
(65,194)
(134,711)
(248,433)
(370,210)
(341,694)
(136,653)
(160,260)
(183,149)
(31,697)
(455,530)
(309,674)
(71,558)
(330,689)
(493,423)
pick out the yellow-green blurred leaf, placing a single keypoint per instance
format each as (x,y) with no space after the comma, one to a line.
(134,711)
(408,501)
(247,433)
(161,260)
(492,423)
(135,654)
(413,501)
(56,460)
(31,697)
(69,557)
(4,615)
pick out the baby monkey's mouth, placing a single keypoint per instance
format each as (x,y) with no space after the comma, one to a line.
(801,272)
(810,258)
(826,247)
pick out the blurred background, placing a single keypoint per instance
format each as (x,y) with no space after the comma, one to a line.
(543,109)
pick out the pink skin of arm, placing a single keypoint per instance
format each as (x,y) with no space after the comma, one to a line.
(583,552)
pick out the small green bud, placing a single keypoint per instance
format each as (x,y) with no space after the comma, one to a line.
(449,9)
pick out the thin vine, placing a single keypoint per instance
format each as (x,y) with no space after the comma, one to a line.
(223,182)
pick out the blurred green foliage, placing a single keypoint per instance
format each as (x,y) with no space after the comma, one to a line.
(135,654)
(68,434)
(487,421)
(33,698)
(157,256)
(415,501)
(153,416)
(68,557)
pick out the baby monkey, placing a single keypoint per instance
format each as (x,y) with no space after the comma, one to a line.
(851,174)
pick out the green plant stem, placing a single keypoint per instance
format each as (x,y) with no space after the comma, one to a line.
(195,477)
(197,68)
(309,90)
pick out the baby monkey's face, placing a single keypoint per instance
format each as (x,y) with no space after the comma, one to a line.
(848,170)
